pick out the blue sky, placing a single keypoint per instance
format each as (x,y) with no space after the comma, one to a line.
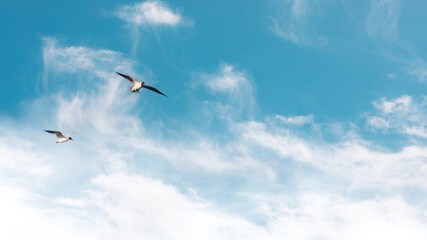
(288,119)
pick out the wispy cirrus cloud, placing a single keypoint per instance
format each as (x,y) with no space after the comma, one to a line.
(293,23)
(149,13)
(418,70)
(71,59)
(382,25)
(309,23)
(383,19)
(234,85)
(108,111)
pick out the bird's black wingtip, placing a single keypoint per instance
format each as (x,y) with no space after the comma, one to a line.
(161,93)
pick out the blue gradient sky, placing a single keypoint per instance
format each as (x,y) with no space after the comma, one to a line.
(289,119)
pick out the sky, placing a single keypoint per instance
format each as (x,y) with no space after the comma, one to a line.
(285,119)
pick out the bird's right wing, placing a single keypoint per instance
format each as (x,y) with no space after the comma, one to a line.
(153,89)
(131,79)
(57,133)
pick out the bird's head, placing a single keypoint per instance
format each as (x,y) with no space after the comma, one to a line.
(142,83)
(71,138)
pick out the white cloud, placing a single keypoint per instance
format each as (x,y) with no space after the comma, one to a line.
(72,59)
(127,206)
(378,122)
(22,157)
(420,71)
(296,120)
(383,19)
(22,219)
(382,24)
(137,206)
(71,202)
(391,76)
(355,162)
(133,207)
(227,79)
(292,24)
(401,104)
(320,217)
(149,13)
(236,87)
(402,114)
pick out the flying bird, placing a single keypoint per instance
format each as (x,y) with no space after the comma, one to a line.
(138,85)
(60,136)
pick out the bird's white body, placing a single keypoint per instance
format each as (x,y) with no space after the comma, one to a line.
(136,86)
(60,136)
(61,140)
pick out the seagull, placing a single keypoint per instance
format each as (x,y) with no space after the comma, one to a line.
(138,85)
(61,138)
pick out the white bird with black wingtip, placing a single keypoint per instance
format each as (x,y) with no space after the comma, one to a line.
(138,85)
(60,136)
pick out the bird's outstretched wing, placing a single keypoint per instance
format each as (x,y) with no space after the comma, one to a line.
(153,89)
(57,133)
(131,79)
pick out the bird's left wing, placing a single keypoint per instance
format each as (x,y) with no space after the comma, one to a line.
(153,89)
(131,79)
(57,133)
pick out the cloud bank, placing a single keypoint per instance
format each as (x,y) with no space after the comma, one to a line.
(272,177)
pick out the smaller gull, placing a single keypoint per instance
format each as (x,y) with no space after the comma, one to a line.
(138,85)
(60,136)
